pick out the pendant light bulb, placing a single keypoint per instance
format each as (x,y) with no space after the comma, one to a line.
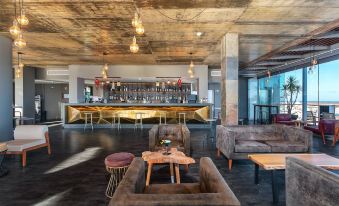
(135,20)
(134,47)
(106,67)
(22,19)
(20,42)
(21,65)
(14,30)
(140,28)
(191,65)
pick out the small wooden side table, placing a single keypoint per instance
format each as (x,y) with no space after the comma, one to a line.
(175,158)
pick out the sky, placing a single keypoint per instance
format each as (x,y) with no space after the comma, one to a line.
(329,82)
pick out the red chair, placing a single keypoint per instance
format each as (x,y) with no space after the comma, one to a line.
(336,133)
(325,127)
(283,119)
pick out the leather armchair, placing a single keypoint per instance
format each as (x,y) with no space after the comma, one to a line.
(307,184)
(178,134)
(325,127)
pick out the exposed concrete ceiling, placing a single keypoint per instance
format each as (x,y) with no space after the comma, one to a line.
(63,32)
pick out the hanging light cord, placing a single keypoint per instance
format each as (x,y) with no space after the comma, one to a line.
(182,20)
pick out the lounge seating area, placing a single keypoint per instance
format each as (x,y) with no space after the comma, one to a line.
(210,190)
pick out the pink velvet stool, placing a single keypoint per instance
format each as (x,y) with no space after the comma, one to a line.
(117,165)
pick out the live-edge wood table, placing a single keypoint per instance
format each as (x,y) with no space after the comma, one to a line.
(175,158)
(277,162)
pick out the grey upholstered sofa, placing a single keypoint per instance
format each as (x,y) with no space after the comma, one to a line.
(307,184)
(211,190)
(236,142)
(177,133)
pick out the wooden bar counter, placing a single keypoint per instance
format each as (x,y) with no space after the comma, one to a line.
(73,114)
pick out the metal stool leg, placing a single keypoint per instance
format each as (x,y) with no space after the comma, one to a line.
(92,121)
(116,176)
(85,122)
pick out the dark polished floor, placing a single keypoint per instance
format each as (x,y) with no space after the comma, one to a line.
(75,173)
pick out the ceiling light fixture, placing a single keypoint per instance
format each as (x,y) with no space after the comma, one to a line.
(20,42)
(22,19)
(15,29)
(191,66)
(18,70)
(105,67)
(199,33)
(135,20)
(140,28)
(134,47)
(313,65)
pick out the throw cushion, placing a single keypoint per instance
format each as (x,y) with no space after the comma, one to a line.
(251,147)
(173,130)
(283,117)
(287,146)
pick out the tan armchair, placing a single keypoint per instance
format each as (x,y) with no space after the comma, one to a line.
(28,138)
(211,190)
(178,134)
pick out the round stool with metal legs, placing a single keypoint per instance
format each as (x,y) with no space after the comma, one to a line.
(184,115)
(116,120)
(117,165)
(88,119)
(162,115)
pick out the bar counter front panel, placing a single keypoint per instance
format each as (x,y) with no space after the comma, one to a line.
(103,113)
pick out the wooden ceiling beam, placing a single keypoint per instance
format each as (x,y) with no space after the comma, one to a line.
(326,28)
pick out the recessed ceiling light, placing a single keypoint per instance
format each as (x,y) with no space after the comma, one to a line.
(199,33)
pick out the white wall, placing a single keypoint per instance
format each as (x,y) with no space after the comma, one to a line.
(135,71)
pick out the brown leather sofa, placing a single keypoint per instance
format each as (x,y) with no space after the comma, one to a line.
(237,142)
(177,133)
(210,190)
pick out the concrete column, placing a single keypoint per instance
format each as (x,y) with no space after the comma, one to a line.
(229,79)
(25,93)
(6,86)
(76,89)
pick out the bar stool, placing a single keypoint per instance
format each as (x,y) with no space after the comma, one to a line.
(3,150)
(184,115)
(162,115)
(138,120)
(90,116)
(117,165)
(116,120)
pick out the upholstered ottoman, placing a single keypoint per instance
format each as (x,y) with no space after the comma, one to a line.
(3,149)
(117,165)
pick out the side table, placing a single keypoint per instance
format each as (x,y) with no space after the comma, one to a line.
(174,159)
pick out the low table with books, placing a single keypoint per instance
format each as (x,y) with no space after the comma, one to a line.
(277,162)
(174,158)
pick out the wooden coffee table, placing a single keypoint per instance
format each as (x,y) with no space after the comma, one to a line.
(277,162)
(175,158)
